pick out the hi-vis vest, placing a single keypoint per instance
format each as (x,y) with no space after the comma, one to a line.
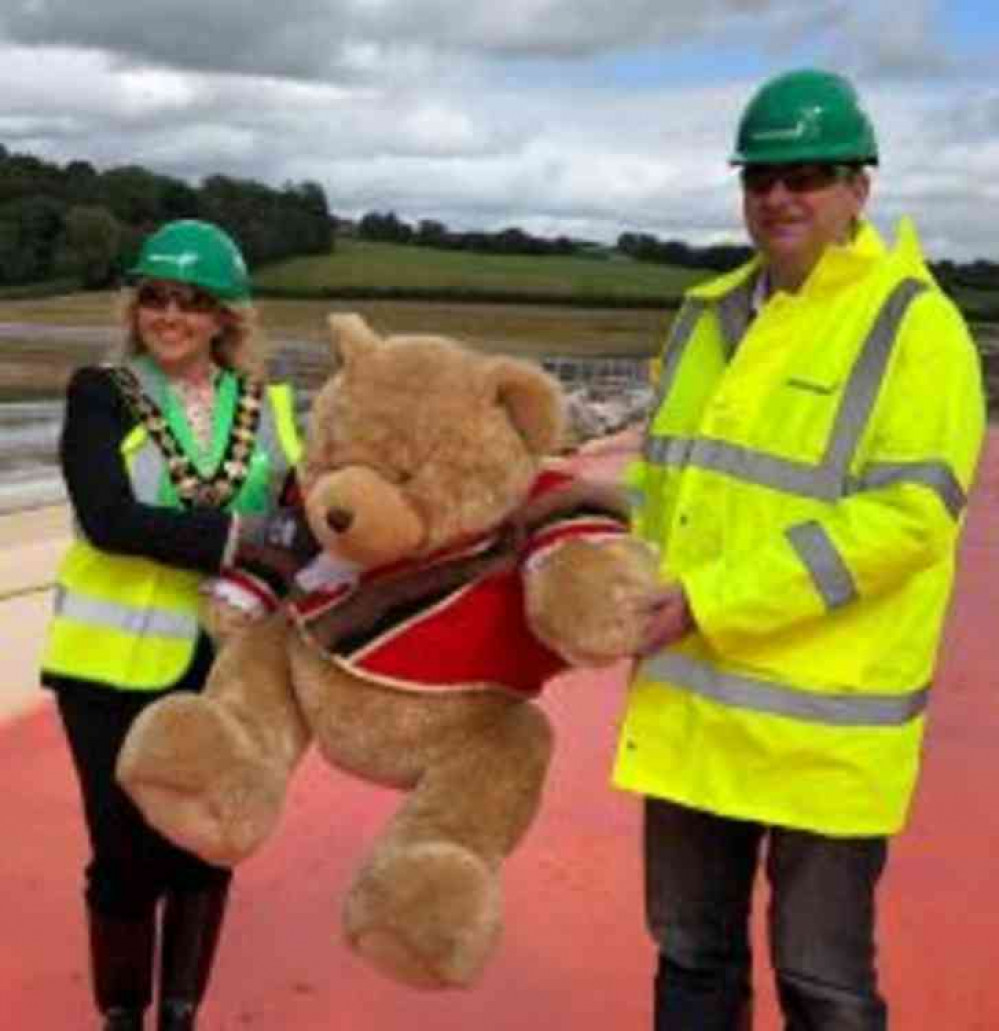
(130,622)
(804,474)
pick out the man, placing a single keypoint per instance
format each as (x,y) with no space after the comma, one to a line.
(804,474)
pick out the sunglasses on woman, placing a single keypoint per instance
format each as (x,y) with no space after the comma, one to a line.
(189,300)
(761,179)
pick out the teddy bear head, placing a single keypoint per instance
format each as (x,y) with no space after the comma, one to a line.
(416,442)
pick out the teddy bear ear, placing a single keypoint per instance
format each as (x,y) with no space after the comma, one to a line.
(351,338)
(534,401)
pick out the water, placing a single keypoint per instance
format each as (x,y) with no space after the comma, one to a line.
(29,472)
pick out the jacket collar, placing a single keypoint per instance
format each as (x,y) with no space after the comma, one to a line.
(840,265)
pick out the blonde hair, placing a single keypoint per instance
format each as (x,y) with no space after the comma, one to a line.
(239,346)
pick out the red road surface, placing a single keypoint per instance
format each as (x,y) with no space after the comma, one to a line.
(574,955)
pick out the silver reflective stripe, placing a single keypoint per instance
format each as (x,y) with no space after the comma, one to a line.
(936,476)
(809,481)
(269,439)
(862,388)
(680,335)
(828,480)
(735,311)
(742,692)
(146,472)
(820,557)
(114,616)
(147,469)
(152,385)
(742,463)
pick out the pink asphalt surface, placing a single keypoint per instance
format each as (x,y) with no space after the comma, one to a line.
(574,954)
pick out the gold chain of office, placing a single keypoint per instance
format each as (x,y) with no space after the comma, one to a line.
(193,489)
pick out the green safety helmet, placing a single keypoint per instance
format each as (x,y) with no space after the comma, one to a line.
(195,252)
(806,115)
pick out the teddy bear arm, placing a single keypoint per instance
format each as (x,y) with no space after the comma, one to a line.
(585,599)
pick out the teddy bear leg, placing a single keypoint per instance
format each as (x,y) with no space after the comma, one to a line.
(209,770)
(425,908)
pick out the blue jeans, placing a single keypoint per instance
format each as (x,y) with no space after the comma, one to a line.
(699,874)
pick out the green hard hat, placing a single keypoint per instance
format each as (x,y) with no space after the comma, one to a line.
(195,252)
(805,115)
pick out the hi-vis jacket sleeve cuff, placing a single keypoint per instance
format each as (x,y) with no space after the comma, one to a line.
(733,603)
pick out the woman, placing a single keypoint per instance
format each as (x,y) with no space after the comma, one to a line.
(174,460)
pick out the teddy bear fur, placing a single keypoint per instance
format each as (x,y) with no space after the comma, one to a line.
(413,444)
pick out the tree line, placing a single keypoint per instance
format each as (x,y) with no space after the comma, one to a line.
(75,222)
(388,227)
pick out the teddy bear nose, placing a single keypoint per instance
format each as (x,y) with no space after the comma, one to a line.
(339,519)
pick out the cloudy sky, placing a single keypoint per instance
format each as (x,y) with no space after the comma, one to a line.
(586,117)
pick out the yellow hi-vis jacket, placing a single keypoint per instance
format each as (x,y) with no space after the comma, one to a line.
(129,622)
(804,476)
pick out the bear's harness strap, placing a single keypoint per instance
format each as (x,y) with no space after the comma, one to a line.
(381,598)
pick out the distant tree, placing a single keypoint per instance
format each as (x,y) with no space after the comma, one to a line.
(29,228)
(387,228)
(81,183)
(133,195)
(431,233)
(90,246)
(178,200)
(23,176)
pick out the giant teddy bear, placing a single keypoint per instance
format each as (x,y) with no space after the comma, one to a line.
(461,573)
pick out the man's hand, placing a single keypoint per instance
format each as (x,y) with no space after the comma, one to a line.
(668,618)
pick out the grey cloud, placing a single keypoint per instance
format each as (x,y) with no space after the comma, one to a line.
(391,132)
(420,40)
(341,39)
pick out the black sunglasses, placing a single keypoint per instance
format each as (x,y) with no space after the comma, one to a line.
(188,299)
(761,179)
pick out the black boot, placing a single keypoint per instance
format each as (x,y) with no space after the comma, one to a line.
(121,958)
(191,925)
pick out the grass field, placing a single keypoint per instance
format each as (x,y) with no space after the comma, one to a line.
(359,264)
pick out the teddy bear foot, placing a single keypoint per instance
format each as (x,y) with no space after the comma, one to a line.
(198,787)
(427,915)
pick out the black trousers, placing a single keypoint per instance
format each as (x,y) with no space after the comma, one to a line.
(700,871)
(131,865)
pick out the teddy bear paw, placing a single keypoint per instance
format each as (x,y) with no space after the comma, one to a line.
(587,600)
(186,768)
(427,914)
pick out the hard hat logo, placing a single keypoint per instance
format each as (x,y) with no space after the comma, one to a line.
(807,123)
(807,115)
(198,253)
(180,260)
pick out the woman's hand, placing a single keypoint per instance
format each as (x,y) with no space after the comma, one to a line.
(276,546)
